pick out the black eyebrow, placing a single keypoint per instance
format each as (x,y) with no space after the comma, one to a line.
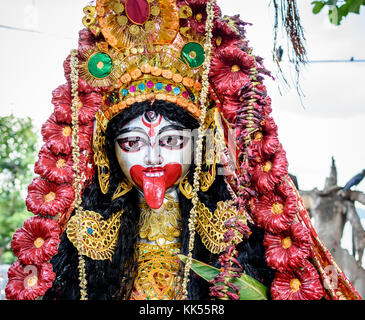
(126,130)
(171,127)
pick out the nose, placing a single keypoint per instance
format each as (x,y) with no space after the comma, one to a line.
(153,157)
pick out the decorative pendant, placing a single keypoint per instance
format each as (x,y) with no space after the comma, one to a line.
(138,11)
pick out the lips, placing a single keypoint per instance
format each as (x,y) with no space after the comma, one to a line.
(155,181)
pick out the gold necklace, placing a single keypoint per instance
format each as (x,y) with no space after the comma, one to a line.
(160,226)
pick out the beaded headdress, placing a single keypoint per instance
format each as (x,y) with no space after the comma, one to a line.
(185,52)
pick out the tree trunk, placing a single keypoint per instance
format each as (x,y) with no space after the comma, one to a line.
(330,209)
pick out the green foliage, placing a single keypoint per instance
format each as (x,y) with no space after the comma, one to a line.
(18,145)
(249,288)
(338,9)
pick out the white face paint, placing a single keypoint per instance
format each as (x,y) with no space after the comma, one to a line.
(154,154)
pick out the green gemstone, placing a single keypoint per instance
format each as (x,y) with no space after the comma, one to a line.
(100,65)
(193,54)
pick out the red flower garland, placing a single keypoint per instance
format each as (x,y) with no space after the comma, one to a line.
(275,211)
(229,70)
(224,35)
(198,20)
(86,39)
(28,284)
(301,284)
(289,249)
(62,100)
(36,241)
(58,136)
(266,174)
(55,168)
(48,198)
(263,146)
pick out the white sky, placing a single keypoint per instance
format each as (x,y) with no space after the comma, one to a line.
(332,124)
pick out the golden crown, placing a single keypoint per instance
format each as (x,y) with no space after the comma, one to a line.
(148,51)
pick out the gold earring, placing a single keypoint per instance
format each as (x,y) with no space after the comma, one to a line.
(186,188)
(123,188)
(101,159)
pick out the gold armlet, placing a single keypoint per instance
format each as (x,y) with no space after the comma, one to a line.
(211,227)
(93,236)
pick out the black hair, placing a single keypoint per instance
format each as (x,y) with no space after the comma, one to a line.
(107,280)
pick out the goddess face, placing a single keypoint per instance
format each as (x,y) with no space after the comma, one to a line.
(154,153)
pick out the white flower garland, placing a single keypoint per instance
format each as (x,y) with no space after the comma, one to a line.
(199,148)
(76,159)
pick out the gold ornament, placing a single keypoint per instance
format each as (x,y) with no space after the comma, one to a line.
(122,20)
(123,188)
(155,10)
(211,226)
(98,237)
(89,20)
(186,188)
(157,275)
(185,12)
(101,159)
(160,226)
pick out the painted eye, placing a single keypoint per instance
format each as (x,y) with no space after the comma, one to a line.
(173,142)
(131,144)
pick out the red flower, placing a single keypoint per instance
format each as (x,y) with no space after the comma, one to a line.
(58,136)
(36,241)
(28,282)
(270,126)
(230,108)
(86,39)
(48,198)
(266,174)
(263,146)
(230,70)
(289,249)
(224,35)
(198,18)
(62,100)
(274,212)
(57,169)
(302,284)
(270,141)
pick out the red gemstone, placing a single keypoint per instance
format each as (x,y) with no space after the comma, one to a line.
(138,11)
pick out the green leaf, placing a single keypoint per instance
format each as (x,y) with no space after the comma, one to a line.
(250,288)
(354,5)
(318,6)
(333,15)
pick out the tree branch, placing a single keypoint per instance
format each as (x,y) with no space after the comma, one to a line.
(353,196)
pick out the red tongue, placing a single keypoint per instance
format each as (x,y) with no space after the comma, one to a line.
(154,189)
